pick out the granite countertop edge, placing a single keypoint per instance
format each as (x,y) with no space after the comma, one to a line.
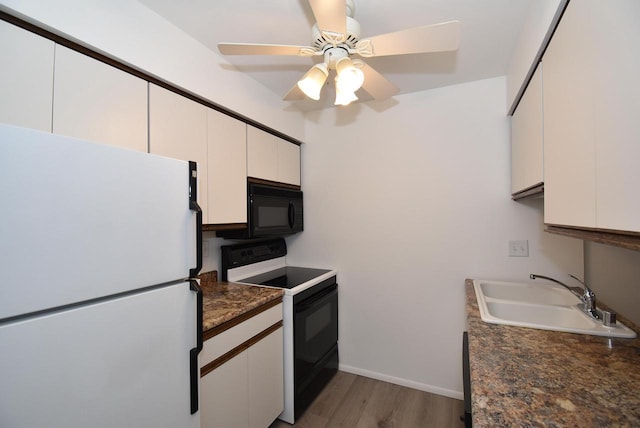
(223,301)
(528,377)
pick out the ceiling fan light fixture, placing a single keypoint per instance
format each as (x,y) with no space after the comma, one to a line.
(313,81)
(344,98)
(350,78)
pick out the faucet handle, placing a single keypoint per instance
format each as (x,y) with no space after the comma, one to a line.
(609,318)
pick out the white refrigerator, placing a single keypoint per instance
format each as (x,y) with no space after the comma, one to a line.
(99,323)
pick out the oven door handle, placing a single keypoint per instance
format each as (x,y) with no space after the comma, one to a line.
(314,300)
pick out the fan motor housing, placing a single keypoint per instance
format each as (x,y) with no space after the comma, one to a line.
(321,41)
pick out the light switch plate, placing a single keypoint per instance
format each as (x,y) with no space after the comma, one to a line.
(519,248)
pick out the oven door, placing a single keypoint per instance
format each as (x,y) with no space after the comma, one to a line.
(315,344)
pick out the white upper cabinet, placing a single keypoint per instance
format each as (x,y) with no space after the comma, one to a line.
(272,158)
(49,87)
(227,158)
(569,151)
(617,111)
(288,162)
(262,154)
(97,102)
(178,129)
(591,126)
(527,138)
(26,78)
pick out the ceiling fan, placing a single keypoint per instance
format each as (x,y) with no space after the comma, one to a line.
(336,37)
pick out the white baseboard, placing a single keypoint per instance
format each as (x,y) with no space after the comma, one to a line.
(402,382)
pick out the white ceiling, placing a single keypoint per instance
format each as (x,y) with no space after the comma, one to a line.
(489,31)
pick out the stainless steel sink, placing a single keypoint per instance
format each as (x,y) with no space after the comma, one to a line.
(541,306)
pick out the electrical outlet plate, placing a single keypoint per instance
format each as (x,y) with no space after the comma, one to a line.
(519,248)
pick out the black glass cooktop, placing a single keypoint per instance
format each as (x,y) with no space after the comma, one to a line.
(286,277)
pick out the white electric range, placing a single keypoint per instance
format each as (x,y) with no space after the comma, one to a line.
(310,316)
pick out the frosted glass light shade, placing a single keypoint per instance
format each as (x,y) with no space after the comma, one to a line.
(312,82)
(350,78)
(344,98)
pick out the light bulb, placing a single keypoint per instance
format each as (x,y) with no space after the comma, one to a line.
(312,82)
(350,78)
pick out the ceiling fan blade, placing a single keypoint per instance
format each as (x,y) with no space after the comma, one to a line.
(376,84)
(331,15)
(428,38)
(261,49)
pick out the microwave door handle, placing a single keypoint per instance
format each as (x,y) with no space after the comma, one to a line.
(292,214)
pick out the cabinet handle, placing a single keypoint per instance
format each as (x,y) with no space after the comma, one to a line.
(193,206)
(193,353)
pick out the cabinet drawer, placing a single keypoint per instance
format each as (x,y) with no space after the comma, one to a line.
(235,336)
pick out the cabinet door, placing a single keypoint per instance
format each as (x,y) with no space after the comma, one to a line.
(272,158)
(26,78)
(526,137)
(266,380)
(288,162)
(227,158)
(569,142)
(617,110)
(97,102)
(178,129)
(224,396)
(262,154)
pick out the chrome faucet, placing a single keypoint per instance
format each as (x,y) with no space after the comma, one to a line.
(586,295)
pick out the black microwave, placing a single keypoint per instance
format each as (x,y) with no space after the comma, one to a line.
(271,211)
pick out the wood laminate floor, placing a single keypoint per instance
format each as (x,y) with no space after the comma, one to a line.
(353,401)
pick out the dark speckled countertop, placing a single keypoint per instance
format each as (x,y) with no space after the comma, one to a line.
(224,301)
(536,378)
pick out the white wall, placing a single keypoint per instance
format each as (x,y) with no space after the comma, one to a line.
(128,31)
(614,275)
(534,31)
(406,204)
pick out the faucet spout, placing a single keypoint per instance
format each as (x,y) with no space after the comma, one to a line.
(586,295)
(574,290)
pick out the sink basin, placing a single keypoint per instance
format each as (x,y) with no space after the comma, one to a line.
(540,316)
(541,306)
(529,293)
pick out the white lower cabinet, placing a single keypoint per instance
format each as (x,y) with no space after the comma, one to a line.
(224,399)
(245,388)
(265,380)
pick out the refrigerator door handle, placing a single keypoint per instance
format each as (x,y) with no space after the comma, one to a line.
(193,206)
(193,353)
